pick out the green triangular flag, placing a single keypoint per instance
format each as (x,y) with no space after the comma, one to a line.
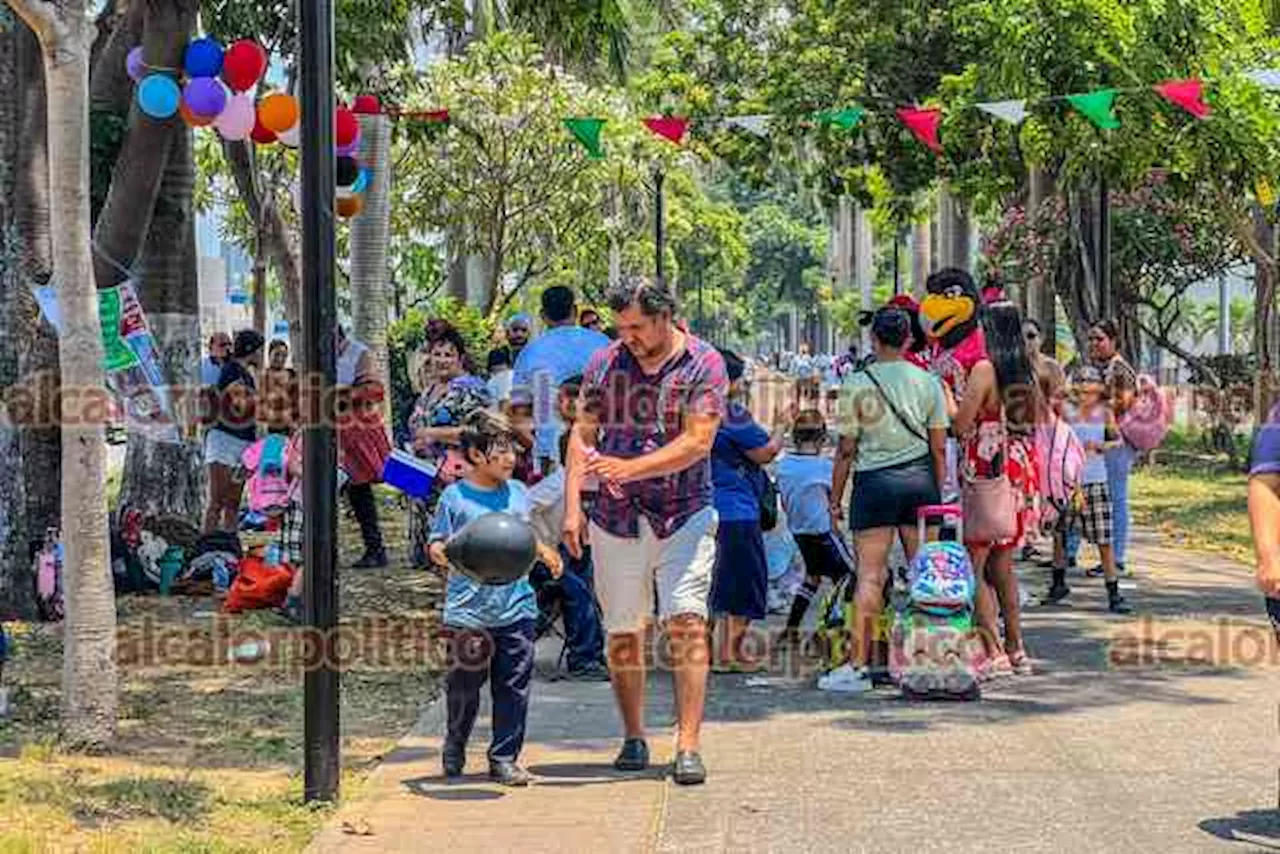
(846,119)
(1097,107)
(587,132)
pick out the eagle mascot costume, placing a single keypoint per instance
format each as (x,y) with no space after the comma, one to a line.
(950,315)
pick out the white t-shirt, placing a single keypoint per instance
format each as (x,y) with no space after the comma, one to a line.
(804,483)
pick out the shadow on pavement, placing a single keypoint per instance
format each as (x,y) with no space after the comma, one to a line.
(464,789)
(1259,828)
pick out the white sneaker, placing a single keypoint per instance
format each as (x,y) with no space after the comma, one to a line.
(846,679)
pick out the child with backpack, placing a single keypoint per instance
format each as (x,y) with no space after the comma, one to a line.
(1094,424)
(804,483)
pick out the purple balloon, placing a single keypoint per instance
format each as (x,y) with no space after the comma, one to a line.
(134,65)
(205,96)
(349,150)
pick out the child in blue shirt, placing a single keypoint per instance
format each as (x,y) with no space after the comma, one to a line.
(492,625)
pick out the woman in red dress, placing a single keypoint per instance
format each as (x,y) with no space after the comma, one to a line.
(995,421)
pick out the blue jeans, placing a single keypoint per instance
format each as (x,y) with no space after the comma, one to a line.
(583,631)
(504,658)
(1119,463)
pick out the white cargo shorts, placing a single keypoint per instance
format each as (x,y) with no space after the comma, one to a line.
(627,568)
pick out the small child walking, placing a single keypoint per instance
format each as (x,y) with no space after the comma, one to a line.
(492,625)
(1095,425)
(804,483)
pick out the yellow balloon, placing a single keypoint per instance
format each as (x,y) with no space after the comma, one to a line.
(278,112)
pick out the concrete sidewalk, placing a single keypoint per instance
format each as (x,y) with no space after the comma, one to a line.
(1144,753)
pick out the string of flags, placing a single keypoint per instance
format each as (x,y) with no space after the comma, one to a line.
(218,84)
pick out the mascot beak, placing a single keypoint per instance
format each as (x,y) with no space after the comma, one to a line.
(942,313)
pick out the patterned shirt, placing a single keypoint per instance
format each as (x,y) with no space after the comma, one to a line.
(640,413)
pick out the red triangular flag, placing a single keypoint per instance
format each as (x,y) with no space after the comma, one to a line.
(1187,94)
(668,127)
(924,123)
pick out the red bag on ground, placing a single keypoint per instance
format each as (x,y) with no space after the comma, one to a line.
(257,586)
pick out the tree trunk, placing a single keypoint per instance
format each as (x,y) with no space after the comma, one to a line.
(125,219)
(16,587)
(921,257)
(1266,341)
(370,233)
(89,679)
(277,241)
(163,479)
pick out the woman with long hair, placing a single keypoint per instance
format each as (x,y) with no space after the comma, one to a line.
(995,421)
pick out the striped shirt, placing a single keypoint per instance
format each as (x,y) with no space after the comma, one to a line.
(640,413)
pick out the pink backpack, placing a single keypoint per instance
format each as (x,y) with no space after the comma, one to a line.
(1061,456)
(1146,423)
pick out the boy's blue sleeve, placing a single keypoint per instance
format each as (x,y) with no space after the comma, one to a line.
(442,524)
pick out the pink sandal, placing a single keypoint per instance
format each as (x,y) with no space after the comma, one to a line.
(1020,663)
(996,667)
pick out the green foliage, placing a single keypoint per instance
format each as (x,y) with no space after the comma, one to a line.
(106,135)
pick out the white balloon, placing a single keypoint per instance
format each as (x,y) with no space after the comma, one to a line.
(236,120)
(292,137)
(343,193)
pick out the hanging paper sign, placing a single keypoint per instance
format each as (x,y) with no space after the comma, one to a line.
(116,353)
(1187,94)
(670,128)
(1013,112)
(923,124)
(1267,78)
(587,132)
(846,119)
(47,298)
(758,125)
(132,364)
(1098,107)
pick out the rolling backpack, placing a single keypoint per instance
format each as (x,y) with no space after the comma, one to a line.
(933,653)
(1061,456)
(1146,423)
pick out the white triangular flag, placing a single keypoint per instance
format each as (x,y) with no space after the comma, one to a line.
(1268,78)
(759,124)
(1013,112)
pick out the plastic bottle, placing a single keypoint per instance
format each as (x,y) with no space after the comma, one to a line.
(612,486)
(273,554)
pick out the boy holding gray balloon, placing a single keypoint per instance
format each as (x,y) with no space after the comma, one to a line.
(491,624)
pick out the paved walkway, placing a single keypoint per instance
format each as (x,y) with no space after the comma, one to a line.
(1137,734)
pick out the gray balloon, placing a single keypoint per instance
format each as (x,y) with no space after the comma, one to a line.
(496,548)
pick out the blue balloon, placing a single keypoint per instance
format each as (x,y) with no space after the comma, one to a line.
(158,96)
(203,58)
(362,180)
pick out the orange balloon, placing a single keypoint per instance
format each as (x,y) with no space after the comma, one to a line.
(278,112)
(350,206)
(192,119)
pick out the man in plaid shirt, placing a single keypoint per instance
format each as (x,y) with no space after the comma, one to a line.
(650,406)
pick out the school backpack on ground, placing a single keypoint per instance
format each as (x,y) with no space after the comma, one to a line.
(1146,423)
(1061,457)
(933,653)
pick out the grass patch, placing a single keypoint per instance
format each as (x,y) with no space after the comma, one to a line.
(1201,507)
(209,752)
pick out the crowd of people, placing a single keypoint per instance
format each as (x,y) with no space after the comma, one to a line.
(645,476)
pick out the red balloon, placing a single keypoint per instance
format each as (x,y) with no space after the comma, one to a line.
(366,105)
(243,65)
(261,135)
(346,127)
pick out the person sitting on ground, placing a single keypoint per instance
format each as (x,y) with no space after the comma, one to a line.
(804,483)
(497,620)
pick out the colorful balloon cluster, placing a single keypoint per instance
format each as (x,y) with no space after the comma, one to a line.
(218,93)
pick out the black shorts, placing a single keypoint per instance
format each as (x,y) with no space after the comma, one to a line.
(825,556)
(890,497)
